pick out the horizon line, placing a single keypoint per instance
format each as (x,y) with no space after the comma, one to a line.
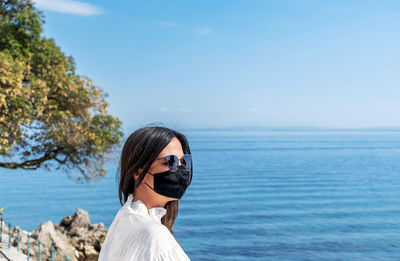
(269,128)
(291,128)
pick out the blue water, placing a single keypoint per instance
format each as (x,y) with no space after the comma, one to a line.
(254,196)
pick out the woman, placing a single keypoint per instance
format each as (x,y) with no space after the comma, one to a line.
(155,171)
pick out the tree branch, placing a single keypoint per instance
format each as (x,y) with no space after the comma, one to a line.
(31,164)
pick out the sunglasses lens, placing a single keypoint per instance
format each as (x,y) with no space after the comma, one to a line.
(172,162)
(187,161)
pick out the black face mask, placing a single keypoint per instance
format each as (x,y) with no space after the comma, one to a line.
(172,184)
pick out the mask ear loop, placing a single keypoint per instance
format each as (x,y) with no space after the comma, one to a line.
(148,184)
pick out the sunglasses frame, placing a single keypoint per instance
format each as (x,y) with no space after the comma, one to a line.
(174,168)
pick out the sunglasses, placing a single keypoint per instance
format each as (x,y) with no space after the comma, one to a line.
(172,162)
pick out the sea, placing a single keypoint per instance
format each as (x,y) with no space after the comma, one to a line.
(255,195)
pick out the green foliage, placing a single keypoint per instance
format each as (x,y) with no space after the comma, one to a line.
(49,115)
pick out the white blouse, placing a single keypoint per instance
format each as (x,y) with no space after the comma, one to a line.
(136,235)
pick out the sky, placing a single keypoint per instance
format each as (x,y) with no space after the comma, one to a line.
(211,64)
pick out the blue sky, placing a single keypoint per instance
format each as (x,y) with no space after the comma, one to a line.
(226,63)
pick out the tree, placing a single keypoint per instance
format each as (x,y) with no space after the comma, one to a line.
(50,116)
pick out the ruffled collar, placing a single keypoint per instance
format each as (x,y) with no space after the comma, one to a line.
(138,207)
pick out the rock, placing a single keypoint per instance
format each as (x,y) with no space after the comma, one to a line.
(100,225)
(48,235)
(66,221)
(98,245)
(77,232)
(91,253)
(81,218)
(74,237)
(79,255)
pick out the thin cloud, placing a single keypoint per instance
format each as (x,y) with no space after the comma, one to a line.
(69,7)
(253,109)
(165,109)
(184,110)
(168,24)
(202,30)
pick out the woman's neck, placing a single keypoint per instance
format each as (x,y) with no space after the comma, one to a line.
(148,201)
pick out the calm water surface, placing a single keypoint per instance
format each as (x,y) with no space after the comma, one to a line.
(254,196)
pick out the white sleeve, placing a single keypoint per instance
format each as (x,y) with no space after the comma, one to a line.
(172,254)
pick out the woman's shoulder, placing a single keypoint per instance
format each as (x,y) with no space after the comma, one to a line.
(158,237)
(150,230)
(139,237)
(165,245)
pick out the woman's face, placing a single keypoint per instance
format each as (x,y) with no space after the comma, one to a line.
(159,166)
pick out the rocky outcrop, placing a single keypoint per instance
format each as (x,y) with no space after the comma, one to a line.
(74,237)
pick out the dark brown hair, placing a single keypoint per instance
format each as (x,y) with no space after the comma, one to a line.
(140,150)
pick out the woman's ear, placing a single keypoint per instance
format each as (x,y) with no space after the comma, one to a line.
(136,174)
